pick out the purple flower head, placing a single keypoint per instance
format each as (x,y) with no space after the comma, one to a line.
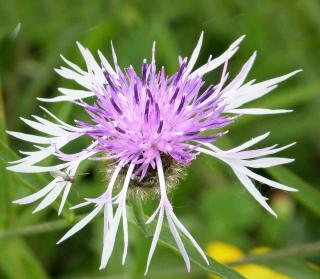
(149,125)
(138,118)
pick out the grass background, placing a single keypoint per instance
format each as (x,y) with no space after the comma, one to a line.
(210,201)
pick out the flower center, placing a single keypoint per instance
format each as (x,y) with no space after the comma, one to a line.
(148,187)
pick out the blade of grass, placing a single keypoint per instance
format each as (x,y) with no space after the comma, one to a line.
(7,46)
(6,210)
(40,228)
(298,250)
(293,268)
(6,191)
(307,195)
(18,261)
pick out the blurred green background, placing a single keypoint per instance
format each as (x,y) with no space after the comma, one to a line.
(210,201)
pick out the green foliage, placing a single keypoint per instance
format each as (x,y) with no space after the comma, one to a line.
(308,195)
(294,269)
(210,201)
(18,261)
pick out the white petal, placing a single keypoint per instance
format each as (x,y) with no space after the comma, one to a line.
(125,235)
(65,98)
(34,157)
(31,138)
(258,111)
(245,96)
(249,143)
(73,66)
(211,65)
(81,205)
(106,64)
(240,78)
(59,120)
(182,228)
(154,214)
(153,58)
(179,242)
(237,42)
(276,80)
(37,156)
(94,70)
(259,153)
(124,214)
(50,198)
(77,227)
(84,81)
(194,55)
(114,56)
(46,126)
(246,182)
(75,93)
(32,169)
(41,193)
(236,165)
(248,93)
(155,238)
(162,181)
(262,179)
(64,197)
(109,238)
(266,162)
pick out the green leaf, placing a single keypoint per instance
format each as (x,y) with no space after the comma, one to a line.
(6,189)
(3,136)
(7,46)
(18,261)
(307,195)
(295,269)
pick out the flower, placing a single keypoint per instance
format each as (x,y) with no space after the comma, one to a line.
(224,253)
(149,127)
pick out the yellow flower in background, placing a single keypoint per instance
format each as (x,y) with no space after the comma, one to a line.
(223,252)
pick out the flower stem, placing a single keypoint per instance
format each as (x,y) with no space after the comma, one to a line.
(298,250)
(139,215)
(40,228)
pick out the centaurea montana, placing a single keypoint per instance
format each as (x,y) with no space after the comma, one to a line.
(145,126)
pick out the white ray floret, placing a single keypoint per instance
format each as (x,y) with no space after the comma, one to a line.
(58,185)
(58,136)
(111,221)
(215,63)
(165,209)
(104,201)
(240,160)
(236,94)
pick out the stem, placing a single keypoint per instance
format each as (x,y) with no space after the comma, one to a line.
(40,228)
(298,250)
(139,216)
